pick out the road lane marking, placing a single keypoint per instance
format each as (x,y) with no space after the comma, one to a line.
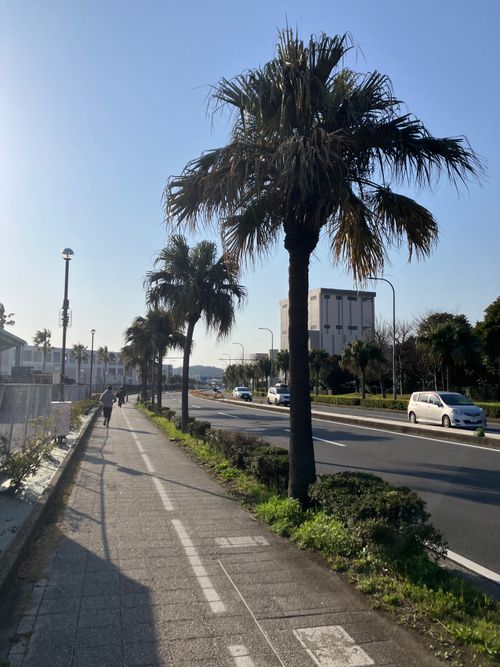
(474,567)
(241,656)
(261,629)
(330,442)
(163,495)
(198,407)
(245,541)
(226,414)
(211,595)
(332,646)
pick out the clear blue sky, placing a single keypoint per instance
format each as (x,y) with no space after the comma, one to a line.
(100,102)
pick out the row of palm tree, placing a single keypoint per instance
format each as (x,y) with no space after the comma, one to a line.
(42,342)
(315,149)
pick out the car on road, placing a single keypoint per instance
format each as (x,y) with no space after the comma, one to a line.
(446,408)
(279,395)
(243,393)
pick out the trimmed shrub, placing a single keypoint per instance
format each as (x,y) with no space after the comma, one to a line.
(326,534)
(198,429)
(178,423)
(269,465)
(387,519)
(236,447)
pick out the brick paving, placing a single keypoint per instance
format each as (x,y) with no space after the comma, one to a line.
(154,564)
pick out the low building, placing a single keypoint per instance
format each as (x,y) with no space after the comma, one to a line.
(336,318)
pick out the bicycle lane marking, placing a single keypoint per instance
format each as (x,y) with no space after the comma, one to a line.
(211,595)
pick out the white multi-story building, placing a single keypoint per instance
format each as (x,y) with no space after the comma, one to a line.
(32,358)
(336,318)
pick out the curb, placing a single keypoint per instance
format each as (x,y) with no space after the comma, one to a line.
(17,550)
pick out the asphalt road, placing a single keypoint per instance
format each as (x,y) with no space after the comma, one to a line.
(459,482)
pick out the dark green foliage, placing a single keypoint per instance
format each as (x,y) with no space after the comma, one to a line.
(20,464)
(198,429)
(80,408)
(335,400)
(384,518)
(178,423)
(269,465)
(236,447)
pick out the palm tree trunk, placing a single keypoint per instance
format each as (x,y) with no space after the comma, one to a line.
(144,380)
(363,392)
(185,375)
(161,354)
(302,466)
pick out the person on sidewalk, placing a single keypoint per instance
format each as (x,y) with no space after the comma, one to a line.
(107,399)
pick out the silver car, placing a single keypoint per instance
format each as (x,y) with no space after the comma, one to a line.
(446,408)
(279,395)
(243,393)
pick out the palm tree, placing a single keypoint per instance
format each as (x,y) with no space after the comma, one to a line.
(105,357)
(139,349)
(358,354)
(165,333)
(41,340)
(283,362)
(79,353)
(194,284)
(5,318)
(317,360)
(314,147)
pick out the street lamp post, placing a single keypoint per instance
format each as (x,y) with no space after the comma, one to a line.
(270,354)
(92,331)
(394,392)
(67,255)
(242,351)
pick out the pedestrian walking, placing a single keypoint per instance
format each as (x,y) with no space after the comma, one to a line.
(107,399)
(120,395)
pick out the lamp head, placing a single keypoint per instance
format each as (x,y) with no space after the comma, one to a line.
(92,331)
(67,253)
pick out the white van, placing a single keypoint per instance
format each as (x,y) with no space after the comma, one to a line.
(446,408)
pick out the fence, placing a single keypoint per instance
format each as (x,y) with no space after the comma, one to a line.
(22,404)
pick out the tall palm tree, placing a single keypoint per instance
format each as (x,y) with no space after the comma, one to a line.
(194,284)
(79,353)
(283,362)
(139,349)
(358,354)
(105,357)
(165,333)
(41,340)
(314,147)
(5,318)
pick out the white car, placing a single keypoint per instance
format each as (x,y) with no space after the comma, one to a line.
(243,393)
(279,395)
(446,408)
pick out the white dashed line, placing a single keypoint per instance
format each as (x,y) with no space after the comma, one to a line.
(241,656)
(211,595)
(330,442)
(163,495)
(332,646)
(226,414)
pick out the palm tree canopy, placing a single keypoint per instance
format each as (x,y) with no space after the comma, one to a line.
(79,352)
(41,339)
(164,330)
(195,284)
(317,146)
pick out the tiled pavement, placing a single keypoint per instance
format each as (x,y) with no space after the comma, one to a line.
(156,565)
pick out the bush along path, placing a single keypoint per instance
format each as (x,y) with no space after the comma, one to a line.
(377,535)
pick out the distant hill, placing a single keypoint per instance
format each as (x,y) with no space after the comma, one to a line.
(201,371)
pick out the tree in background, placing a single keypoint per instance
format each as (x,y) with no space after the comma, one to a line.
(139,350)
(79,354)
(488,333)
(283,362)
(317,359)
(449,343)
(315,147)
(193,283)
(5,318)
(358,355)
(41,340)
(105,357)
(165,334)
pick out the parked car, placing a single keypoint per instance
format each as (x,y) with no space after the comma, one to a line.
(243,393)
(446,408)
(279,395)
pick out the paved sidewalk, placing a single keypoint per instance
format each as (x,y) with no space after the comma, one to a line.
(157,565)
